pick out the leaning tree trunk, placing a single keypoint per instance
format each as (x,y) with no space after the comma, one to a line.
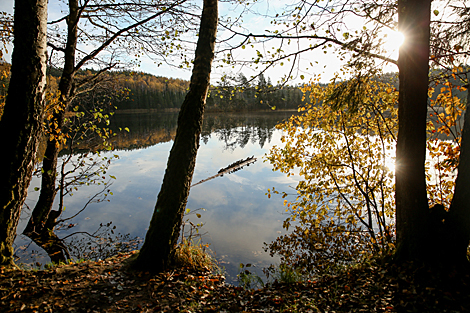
(163,233)
(48,191)
(53,245)
(412,209)
(457,223)
(21,124)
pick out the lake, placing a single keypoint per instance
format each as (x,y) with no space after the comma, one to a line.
(238,218)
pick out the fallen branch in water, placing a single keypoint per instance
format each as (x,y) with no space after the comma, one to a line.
(236,166)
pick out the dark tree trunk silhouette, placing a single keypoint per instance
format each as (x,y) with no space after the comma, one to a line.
(433,236)
(457,222)
(163,233)
(411,198)
(21,124)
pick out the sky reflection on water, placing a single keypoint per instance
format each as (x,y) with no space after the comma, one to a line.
(238,218)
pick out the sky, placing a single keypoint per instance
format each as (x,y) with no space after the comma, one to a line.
(309,65)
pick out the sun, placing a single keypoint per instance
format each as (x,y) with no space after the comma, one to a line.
(392,42)
(396,38)
(390,164)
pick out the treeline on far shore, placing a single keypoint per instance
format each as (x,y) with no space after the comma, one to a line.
(130,91)
(155,93)
(149,92)
(139,92)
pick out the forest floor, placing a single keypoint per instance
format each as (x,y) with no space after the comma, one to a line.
(106,286)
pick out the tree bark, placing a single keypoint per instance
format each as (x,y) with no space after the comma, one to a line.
(43,217)
(163,233)
(412,209)
(53,245)
(48,191)
(67,91)
(22,119)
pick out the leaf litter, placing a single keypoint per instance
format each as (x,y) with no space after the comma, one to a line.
(107,286)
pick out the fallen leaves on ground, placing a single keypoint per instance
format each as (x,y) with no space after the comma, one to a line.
(106,286)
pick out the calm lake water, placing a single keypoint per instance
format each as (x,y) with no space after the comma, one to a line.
(238,218)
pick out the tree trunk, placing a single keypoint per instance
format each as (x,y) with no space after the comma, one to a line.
(21,124)
(412,209)
(163,233)
(49,165)
(457,223)
(53,245)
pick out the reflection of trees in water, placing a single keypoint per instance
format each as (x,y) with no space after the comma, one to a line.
(103,243)
(131,132)
(145,130)
(44,226)
(237,130)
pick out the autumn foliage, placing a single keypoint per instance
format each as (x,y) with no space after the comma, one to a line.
(343,159)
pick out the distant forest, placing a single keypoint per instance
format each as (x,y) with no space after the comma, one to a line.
(146,91)
(137,91)
(128,90)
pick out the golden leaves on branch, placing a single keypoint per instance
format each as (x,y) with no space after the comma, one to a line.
(343,148)
(344,158)
(444,132)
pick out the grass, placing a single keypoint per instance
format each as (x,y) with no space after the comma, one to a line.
(195,255)
(248,280)
(38,266)
(285,274)
(68,262)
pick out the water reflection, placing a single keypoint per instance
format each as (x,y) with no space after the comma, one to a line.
(237,130)
(145,130)
(239,217)
(234,130)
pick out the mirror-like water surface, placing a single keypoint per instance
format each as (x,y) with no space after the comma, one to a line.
(238,216)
